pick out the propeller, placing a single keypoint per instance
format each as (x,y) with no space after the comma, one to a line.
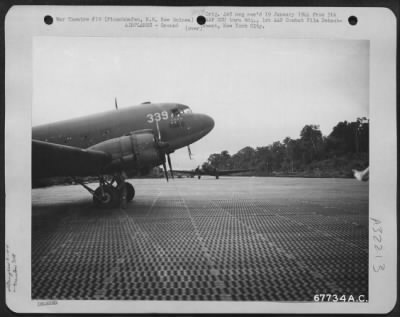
(189,151)
(170,166)
(165,170)
(158,131)
(116,104)
(161,144)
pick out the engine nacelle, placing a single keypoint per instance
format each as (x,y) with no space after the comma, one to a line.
(135,151)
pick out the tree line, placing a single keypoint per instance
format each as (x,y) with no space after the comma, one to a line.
(311,155)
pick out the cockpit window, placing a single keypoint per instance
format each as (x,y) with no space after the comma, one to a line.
(177,112)
(177,116)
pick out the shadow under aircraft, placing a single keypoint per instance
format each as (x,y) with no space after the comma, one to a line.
(113,144)
(211,171)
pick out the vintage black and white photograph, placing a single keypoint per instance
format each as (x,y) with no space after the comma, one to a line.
(241,176)
(203,169)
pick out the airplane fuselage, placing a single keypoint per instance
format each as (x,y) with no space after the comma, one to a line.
(120,142)
(178,130)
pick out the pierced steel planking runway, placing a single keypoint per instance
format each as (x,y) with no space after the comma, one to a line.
(265,239)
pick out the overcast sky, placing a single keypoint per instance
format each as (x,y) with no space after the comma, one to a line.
(257,90)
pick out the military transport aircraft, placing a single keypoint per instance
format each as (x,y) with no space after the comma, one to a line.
(112,144)
(211,171)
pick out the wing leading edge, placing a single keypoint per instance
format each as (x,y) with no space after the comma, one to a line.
(212,172)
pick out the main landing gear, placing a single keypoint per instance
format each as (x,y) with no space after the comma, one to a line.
(112,193)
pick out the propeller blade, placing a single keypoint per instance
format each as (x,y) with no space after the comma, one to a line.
(189,151)
(165,170)
(158,131)
(116,104)
(170,166)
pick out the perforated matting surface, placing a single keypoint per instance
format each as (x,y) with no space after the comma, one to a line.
(234,239)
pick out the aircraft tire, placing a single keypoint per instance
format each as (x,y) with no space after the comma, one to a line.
(110,198)
(130,191)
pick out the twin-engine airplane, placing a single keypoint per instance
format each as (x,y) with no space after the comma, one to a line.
(211,171)
(130,141)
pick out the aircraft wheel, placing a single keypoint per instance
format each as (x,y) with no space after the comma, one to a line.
(130,191)
(109,199)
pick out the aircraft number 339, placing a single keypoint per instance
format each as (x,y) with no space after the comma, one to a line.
(151,117)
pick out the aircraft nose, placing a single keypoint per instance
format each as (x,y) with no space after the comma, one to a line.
(208,123)
(201,125)
(196,126)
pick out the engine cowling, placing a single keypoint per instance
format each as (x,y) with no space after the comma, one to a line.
(136,151)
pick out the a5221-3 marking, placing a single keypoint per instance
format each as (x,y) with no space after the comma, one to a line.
(378,251)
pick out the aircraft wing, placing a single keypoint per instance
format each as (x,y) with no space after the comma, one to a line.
(52,160)
(228,172)
(212,173)
(185,172)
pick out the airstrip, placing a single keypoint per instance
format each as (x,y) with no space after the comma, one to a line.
(232,239)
